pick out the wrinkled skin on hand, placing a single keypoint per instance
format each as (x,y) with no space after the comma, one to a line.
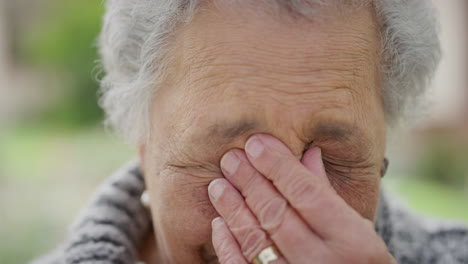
(269,198)
(307,83)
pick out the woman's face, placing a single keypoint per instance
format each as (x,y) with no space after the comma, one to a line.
(234,75)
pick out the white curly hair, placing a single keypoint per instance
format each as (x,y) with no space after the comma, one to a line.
(136,35)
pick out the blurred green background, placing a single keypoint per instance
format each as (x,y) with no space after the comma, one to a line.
(54,150)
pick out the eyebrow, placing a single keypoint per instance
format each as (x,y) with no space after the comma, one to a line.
(332,130)
(336,131)
(226,130)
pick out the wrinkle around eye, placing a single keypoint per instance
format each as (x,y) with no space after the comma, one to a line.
(355,162)
(191,188)
(201,171)
(353,153)
(347,177)
(347,171)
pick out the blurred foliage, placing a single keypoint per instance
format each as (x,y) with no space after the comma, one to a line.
(444,159)
(46,176)
(63,42)
(429,198)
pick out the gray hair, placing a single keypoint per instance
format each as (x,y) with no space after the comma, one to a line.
(135,39)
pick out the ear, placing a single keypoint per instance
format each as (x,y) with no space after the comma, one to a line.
(141,156)
(384,168)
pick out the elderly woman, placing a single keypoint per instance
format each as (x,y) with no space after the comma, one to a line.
(261,128)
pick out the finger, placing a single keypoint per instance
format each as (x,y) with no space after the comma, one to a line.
(312,160)
(225,245)
(289,232)
(310,193)
(238,217)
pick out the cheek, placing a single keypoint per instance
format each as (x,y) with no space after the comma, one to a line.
(362,195)
(181,208)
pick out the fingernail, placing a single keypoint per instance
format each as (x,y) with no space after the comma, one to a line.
(254,147)
(216,188)
(229,163)
(216,222)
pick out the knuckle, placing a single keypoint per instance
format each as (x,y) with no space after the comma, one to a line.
(298,186)
(272,214)
(226,254)
(237,215)
(235,261)
(223,247)
(277,167)
(230,258)
(254,180)
(253,242)
(304,193)
(221,242)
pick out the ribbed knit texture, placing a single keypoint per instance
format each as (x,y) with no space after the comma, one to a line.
(111,228)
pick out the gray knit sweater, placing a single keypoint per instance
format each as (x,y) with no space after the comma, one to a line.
(114,223)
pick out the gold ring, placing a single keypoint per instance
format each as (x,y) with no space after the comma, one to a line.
(267,255)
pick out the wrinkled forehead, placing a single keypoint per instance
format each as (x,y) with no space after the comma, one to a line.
(229,42)
(289,9)
(267,70)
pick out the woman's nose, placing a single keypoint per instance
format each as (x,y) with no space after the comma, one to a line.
(296,145)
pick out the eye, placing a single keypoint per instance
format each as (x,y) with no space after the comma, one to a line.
(333,166)
(208,170)
(343,171)
(337,167)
